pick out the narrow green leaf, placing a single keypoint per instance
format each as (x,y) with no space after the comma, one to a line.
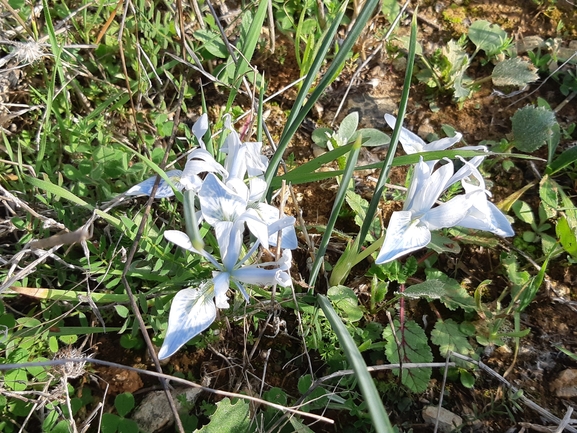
(567,236)
(57,191)
(339,200)
(299,111)
(567,158)
(388,162)
(372,398)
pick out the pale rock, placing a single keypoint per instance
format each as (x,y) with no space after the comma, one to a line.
(566,384)
(448,421)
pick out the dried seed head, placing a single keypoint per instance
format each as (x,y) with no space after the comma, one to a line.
(71,369)
(28,52)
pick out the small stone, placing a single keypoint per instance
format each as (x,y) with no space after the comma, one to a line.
(566,384)
(448,421)
(400,64)
(154,413)
(425,129)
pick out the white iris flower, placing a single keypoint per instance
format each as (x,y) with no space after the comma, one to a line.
(412,143)
(193,310)
(410,229)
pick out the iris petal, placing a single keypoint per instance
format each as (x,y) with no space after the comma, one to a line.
(191,312)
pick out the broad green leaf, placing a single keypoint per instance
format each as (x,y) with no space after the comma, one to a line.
(532,127)
(211,42)
(127,426)
(549,197)
(467,379)
(372,137)
(430,289)
(320,136)
(228,418)
(517,277)
(514,72)
(441,244)
(390,9)
(487,37)
(298,425)
(124,403)
(449,335)
(345,300)
(524,212)
(122,311)
(414,347)
(109,423)
(349,126)
(455,295)
(16,380)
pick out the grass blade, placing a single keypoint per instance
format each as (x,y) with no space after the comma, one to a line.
(299,111)
(378,413)
(388,162)
(339,200)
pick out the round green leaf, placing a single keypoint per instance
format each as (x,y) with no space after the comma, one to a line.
(532,127)
(124,403)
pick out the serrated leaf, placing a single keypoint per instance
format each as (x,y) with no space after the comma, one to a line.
(514,72)
(228,418)
(449,335)
(345,300)
(414,347)
(455,295)
(532,127)
(487,37)
(430,289)
(458,60)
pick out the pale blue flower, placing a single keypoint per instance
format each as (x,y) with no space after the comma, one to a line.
(198,161)
(410,229)
(193,310)
(412,143)
(164,189)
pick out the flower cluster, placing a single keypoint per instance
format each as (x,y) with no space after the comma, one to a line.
(230,198)
(410,229)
